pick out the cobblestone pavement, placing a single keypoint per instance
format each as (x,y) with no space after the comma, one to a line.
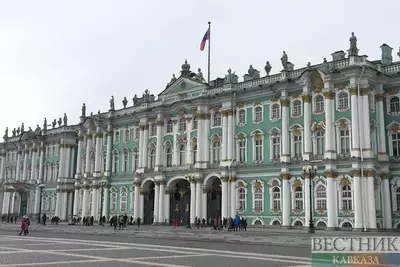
(39,251)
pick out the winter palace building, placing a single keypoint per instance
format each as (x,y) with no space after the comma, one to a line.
(224,148)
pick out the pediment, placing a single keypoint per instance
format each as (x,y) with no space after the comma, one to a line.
(181,86)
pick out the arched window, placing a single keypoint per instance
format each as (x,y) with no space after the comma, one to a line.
(126,157)
(116,137)
(258,199)
(320,143)
(298,223)
(276,147)
(127,135)
(258,149)
(216,152)
(217,119)
(182,155)
(242,199)
(296,108)
(394,104)
(136,157)
(321,197)
(152,156)
(90,202)
(182,125)
(115,162)
(123,199)
(398,199)
(113,202)
(194,159)
(276,111)
(195,123)
(169,157)
(347,203)
(347,225)
(319,104)
(298,198)
(137,133)
(298,145)
(276,198)
(396,144)
(241,116)
(344,135)
(242,150)
(258,114)
(169,126)
(153,129)
(343,99)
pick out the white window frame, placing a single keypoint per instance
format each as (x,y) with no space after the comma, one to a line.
(152,156)
(238,112)
(137,134)
(292,130)
(338,128)
(293,192)
(275,133)
(315,109)
(271,111)
(181,159)
(389,106)
(104,161)
(125,160)
(113,199)
(348,199)
(216,119)
(195,123)
(320,198)
(371,102)
(90,202)
(121,199)
(254,196)
(275,183)
(167,146)
(215,139)
(127,135)
(395,186)
(117,136)
(153,129)
(292,108)
(115,161)
(194,155)
(238,140)
(255,138)
(240,200)
(261,114)
(391,151)
(317,144)
(339,105)
(169,127)
(135,159)
(105,139)
(182,125)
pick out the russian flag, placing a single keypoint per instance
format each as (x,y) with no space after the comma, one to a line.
(205,38)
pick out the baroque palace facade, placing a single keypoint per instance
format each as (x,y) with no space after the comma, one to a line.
(225,148)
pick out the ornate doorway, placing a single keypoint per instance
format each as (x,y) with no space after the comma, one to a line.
(180,201)
(148,204)
(214,198)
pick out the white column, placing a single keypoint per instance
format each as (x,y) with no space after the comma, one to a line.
(381,125)
(25,167)
(67,165)
(145,145)
(358,216)
(371,200)
(37,200)
(307,129)
(330,147)
(85,201)
(58,203)
(224,148)
(224,202)
(156,201)
(233,197)
(167,199)
(355,151)
(331,196)
(198,198)
(18,172)
(206,140)
(72,160)
(161,204)
(41,163)
(2,163)
(286,200)
(33,172)
(307,200)
(106,201)
(97,161)
(387,211)
(192,201)
(6,203)
(64,205)
(69,209)
(88,151)
(95,205)
(189,143)
(136,210)
(230,135)
(204,205)
(109,153)
(78,157)
(141,206)
(366,128)
(200,139)
(76,201)
(159,150)
(285,157)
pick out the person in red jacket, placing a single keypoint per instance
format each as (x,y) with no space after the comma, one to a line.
(23,225)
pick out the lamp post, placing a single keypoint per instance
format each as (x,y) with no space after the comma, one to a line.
(310,171)
(41,186)
(10,189)
(102,183)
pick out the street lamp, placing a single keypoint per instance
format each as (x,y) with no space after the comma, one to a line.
(10,189)
(102,184)
(41,186)
(310,171)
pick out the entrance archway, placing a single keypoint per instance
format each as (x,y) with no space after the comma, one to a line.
(148,205)
(180,200)
(214,197)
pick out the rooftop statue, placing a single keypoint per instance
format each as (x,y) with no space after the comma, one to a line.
(59,122)
(398,53)
(173,79)
(231,77)
(37,130)
(65,119)
(6,132)
(112,106)
(98,112)
(308,64)
(45,124)
(135,99)
(252,74)
(353,51)
(124,102)
(29,129)
(14,132)
(22,128)
(91,114)
(83,110)
(284,60)
(267,68)
(18,131)
(54,123)
(199,76)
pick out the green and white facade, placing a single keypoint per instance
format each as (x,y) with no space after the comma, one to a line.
(226,148)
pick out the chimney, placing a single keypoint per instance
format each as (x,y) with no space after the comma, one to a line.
(386,54)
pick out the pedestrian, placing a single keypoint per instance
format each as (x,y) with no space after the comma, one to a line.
(138,222)
(24,226)
(44,217)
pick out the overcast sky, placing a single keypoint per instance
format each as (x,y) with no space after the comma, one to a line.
(55,55)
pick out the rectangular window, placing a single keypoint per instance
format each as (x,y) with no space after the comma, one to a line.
(344,141)
(276,147)
(297,146)
(259,147)
(396,144)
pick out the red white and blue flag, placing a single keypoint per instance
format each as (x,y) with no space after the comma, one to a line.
(205,38)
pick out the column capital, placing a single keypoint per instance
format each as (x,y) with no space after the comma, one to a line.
(330,173)
(144,126)
(285,102)
(385,175)
(371,173)
(307,176)
(353,91)
(380,97)
(285,176)
(329,95)
(160,123)
(224,179)
(225,113)
(306,98)
(99,135)
(88,136)
(137,183)
(162,182)
(233,179)
(356,172)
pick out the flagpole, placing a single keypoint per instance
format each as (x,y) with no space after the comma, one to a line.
(209,42)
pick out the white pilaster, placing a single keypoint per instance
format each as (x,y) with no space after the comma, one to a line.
(88,151)
(358,216)
(224,144)
(78,157)
(156,201)
(76,201)
(330,148)
(189,143)
(37,200)
(33,172)
(204,205)
(371,200)
(331,196)
(145,145)
(25,168)
(175,144)
(285,157)
(382,154)
(97,161)
(136,210)
(67,153)
(198,198)
(167,200)
(306,190)
(159,150)
(307,132)
(58,203)
(224,202)
(69,206)
(286,200)
(192,201)
(141,207)
(18,172)
(161,205)
(64,205)
(95,205)
(206,140)
(41,163)
(200,138)
(109,153)
(387,211)
(233,199)
(2,163)
(85,201)
(355,151)
(106,201)
(366,128)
